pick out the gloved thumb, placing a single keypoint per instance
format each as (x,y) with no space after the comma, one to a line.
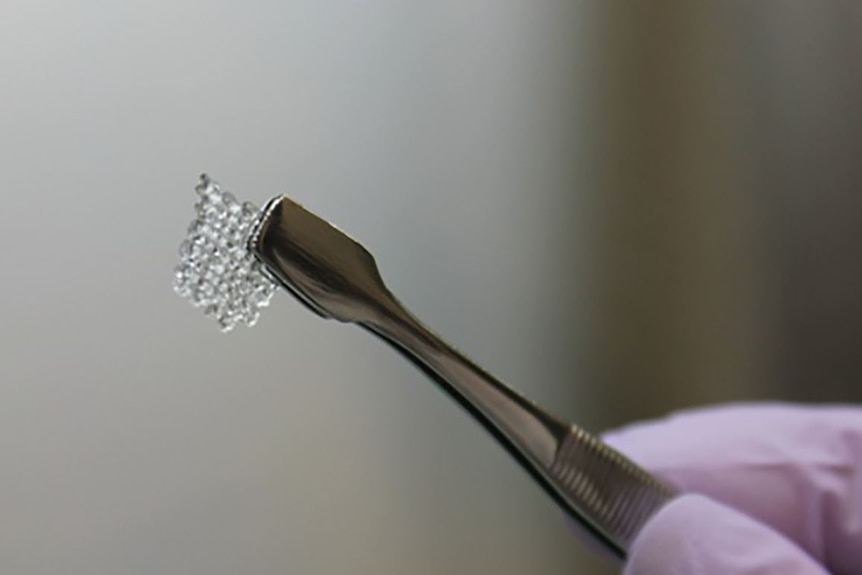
(694,535)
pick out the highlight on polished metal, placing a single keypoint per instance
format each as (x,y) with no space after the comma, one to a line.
(337,278)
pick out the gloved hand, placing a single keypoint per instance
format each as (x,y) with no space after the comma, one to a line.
(770,490)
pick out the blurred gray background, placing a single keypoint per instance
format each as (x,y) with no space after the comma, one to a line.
(620,208)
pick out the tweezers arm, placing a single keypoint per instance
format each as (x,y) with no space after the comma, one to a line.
(603,490)
(535,433)
(337,278)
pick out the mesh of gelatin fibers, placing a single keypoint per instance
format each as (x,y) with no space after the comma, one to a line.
(217,272)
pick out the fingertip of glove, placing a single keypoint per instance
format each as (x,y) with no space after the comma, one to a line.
(694,535)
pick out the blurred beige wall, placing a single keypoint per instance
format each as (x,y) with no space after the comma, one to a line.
(729,204)
(620,208)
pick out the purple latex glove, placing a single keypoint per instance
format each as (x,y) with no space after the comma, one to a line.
(770,490)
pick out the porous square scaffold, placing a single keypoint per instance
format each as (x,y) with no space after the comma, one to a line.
(217,272)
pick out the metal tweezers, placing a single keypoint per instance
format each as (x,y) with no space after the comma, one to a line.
(337,278)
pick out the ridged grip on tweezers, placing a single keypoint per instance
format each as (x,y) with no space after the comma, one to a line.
(616,496)
(337,278)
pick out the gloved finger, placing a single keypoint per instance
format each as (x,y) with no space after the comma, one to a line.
(694,535)
(793,468)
